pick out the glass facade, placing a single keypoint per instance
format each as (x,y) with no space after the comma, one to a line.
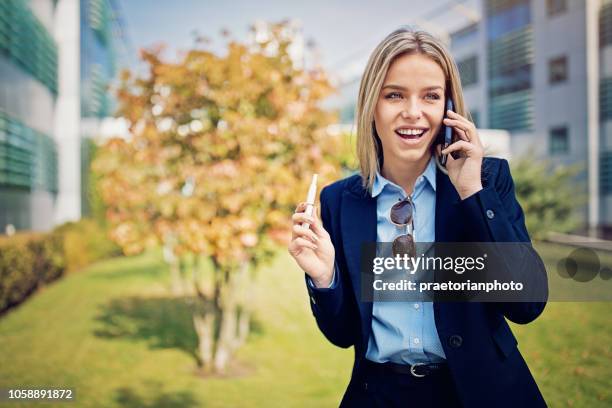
(468,70)
(101,33)
(605,173)
(605,25)
(28,158)
(33,105)
(98,57)
(28,92)
(605,100)
(465,36)
(510,56)
(504,17)
(27,43)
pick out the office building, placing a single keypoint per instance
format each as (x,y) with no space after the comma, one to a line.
(57,59)
(543,71)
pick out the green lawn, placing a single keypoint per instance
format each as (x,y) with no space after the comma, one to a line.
(112,333)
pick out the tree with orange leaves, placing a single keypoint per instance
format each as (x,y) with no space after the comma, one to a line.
(221,150)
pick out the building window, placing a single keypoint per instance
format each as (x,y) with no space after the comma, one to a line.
(605,99)
(465,36)
(504,17)
(559,140)
(468,70)
(605,25)
(605,173)
(557,70)
(554,7)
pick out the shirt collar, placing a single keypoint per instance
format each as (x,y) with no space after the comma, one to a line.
(429,174)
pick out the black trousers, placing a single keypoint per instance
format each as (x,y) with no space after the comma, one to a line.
(389,390)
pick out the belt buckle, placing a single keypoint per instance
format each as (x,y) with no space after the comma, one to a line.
(414,373)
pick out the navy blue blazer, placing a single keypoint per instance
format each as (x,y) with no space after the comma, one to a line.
(480,348)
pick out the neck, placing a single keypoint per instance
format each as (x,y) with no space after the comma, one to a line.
(404,174)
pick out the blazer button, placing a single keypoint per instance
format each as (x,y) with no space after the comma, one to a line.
(490,214)
(455,341)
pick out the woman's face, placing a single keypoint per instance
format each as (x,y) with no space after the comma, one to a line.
(410,108)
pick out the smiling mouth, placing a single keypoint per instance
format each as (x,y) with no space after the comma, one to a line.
(410,133)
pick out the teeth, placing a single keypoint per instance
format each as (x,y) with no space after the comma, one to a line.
(410,131)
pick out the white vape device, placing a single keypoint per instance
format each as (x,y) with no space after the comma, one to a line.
(310,200)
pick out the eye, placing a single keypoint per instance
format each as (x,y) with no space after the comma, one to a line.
(432,96)
(393,95)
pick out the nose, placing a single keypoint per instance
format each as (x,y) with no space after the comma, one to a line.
(411,109)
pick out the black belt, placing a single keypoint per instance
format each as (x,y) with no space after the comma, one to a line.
(416,370)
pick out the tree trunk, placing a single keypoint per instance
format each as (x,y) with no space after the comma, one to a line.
(227,329)
(204,324)
(245,302)
(205,313)
(175,267)
(244,323)
(223,301)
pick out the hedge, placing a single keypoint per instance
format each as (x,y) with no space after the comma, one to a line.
(30,260)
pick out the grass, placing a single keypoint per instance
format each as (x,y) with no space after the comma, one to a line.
(112,333)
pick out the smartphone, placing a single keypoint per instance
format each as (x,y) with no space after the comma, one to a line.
(446,132)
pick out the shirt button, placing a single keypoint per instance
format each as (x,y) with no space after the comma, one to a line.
(312,299)
(490,214)
(416,340)
(416,305)
(455,341)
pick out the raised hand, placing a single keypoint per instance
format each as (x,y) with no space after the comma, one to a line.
(464,172)
(311,247)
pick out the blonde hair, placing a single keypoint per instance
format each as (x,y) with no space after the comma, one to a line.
(400,42)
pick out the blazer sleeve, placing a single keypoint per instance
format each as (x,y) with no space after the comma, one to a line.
(332,308)
(494,215)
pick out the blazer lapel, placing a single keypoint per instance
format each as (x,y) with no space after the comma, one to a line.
(448,229)
(446,200)
(358,224)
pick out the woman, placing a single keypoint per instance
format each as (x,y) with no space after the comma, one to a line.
(418,354)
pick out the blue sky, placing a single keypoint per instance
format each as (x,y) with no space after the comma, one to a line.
(344,31)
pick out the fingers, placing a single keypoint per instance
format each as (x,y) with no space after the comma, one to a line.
(300,231)
(462,134)
(459,122)
(459,125)
(460,145)
(301,243)
(300,218)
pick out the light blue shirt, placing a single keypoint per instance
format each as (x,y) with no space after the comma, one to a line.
(405,332)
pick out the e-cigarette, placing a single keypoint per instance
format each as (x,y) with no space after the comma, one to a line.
(310,199)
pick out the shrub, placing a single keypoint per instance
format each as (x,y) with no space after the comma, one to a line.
(26,262)
(30,260)
(85,242)
(550,196)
